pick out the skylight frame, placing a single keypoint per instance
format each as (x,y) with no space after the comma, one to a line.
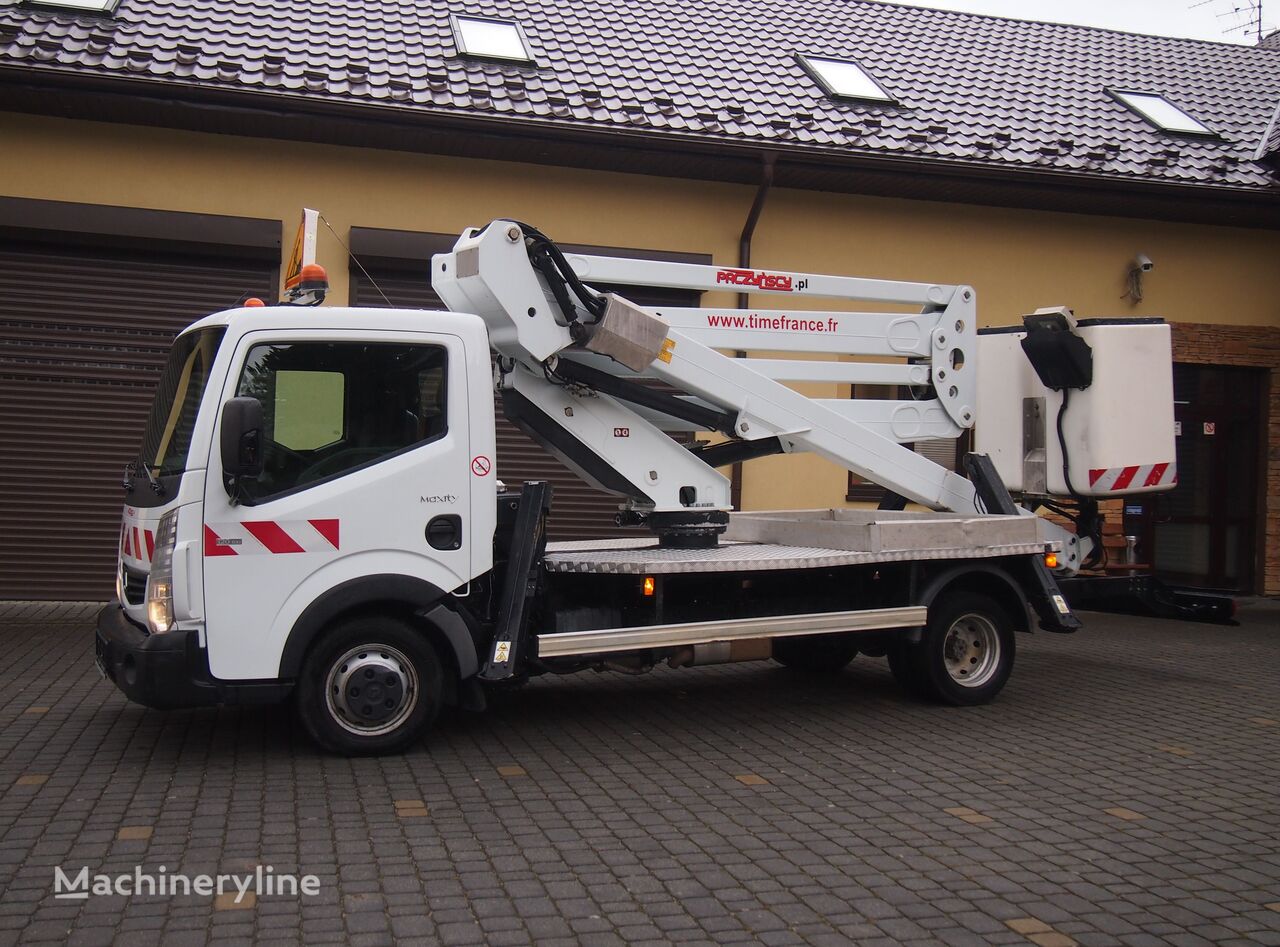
(459,38)
(1126,98)
(880,95)
(90,7)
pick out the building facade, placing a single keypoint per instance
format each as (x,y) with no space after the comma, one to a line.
(154,160)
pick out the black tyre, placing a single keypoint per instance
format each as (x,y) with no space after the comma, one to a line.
(369,686)
(965,655)
(815,654)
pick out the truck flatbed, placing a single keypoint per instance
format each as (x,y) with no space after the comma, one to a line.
(810,539)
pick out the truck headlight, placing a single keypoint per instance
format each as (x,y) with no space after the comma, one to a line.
(160,582)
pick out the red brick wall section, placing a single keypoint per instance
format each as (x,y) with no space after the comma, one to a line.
(1246,347)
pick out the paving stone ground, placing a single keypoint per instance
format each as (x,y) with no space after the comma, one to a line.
(1125,789)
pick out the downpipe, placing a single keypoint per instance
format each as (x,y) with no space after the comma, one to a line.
(768,161)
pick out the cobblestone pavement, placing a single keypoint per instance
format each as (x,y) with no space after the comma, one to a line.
(1125,789)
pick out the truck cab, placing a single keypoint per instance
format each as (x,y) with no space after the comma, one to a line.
(365,475)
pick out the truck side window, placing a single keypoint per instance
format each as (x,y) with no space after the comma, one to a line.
(331,407)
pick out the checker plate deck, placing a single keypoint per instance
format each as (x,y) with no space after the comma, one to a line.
(643,557)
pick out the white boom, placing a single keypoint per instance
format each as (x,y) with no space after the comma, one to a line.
(552,373)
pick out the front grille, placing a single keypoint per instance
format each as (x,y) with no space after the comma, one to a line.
(135,586)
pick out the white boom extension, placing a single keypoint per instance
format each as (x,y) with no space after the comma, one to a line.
(584,407)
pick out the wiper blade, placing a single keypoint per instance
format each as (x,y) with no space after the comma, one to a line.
(132,468)
(156,485)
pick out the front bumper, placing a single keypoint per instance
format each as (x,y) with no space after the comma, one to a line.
(171,670)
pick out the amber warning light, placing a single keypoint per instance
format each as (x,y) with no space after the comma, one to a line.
(648,585)
(313,279)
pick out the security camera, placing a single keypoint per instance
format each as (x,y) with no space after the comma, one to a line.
(1141,264)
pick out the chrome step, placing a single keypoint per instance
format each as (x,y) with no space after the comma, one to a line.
(607,640)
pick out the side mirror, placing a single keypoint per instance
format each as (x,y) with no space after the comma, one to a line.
(242,438)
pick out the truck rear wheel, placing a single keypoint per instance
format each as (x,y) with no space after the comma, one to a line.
(370,685)
(815,654)
(965,655)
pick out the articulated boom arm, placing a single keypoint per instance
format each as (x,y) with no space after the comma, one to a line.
(489,273)
(935,346)
(588,408)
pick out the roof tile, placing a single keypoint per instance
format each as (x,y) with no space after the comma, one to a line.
(967,88)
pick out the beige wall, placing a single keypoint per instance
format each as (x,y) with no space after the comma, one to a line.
(1021,260)
(1017,260)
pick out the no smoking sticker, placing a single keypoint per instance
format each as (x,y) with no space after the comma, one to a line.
(481,465)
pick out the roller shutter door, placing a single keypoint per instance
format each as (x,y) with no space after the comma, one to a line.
(578,511)
(83,334)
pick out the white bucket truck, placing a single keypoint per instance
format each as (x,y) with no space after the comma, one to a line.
(316,515)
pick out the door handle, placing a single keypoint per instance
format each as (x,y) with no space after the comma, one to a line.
(445,532)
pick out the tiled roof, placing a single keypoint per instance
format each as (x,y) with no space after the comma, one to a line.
(969,90)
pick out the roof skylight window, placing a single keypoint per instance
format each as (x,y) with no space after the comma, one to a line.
(86,6)
(1161,113)
(491,39)
(844,79)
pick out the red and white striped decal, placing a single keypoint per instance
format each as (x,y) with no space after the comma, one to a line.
(255,537)
(132,541)
(1138,477)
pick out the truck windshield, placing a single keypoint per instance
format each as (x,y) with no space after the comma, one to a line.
(167,438)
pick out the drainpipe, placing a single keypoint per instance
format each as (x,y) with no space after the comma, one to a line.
(744,262)
(753,217)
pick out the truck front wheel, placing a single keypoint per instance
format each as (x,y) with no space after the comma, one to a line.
(965,655)
(370,685)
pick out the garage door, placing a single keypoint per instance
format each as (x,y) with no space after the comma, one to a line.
(578,511)
(83,334)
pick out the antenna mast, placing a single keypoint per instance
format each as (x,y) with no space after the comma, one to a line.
(1244,16)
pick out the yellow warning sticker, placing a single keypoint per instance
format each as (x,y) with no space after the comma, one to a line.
(664,357)
(502,652)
